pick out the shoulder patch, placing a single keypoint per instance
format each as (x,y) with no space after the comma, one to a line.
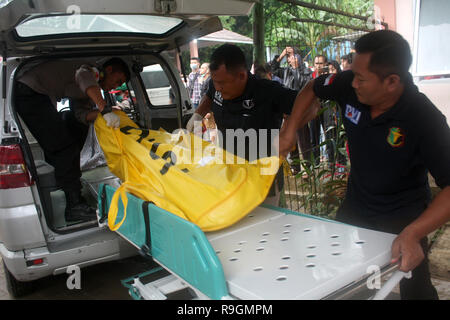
(352,114)
(218,98)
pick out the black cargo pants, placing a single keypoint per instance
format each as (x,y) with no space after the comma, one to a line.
(47,126)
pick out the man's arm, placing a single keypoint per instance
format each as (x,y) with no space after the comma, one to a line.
(95,94)
(304,110)
(91,116)
(434,147)
(283,53)
(406,247)
(203,108)
(112,120)
(86,81)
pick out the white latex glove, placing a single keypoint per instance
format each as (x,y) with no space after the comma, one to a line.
(195,118)
(112,120)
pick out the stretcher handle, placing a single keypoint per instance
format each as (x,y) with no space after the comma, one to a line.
(396,277)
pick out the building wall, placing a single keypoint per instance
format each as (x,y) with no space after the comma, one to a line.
(405,19)
(386,11)
(400,15)
(438,91)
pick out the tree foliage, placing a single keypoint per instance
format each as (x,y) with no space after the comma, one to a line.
(281,30)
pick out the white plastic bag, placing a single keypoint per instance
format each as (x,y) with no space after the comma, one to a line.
(91,156)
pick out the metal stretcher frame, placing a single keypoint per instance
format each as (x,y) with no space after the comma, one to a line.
(272,253)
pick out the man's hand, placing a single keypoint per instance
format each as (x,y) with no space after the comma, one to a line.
(195,118)
(112,120)
(210,122)
(407,245)
(283,53)
(407,251)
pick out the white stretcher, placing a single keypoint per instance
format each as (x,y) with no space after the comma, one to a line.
(270,254)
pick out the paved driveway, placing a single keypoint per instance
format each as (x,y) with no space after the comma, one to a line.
(101,281)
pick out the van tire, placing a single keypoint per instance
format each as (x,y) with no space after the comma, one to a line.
(17,288)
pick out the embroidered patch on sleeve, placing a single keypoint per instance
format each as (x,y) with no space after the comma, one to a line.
(352,114)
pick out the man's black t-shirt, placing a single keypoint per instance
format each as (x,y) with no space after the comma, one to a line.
(390,155)
(261,106)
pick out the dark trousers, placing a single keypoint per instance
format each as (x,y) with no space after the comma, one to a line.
(419,287)
(47,126)
(78,130)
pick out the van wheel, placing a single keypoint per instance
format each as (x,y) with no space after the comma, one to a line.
(17,288)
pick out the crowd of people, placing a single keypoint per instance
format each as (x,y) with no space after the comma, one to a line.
(197,85)
(324,127)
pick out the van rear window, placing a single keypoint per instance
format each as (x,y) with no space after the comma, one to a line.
(89,23)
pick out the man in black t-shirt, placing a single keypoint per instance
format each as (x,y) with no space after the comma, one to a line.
(395,137)
(245,105)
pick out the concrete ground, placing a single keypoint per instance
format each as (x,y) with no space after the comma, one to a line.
(99,282)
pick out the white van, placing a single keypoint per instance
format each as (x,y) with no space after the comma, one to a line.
(35,239)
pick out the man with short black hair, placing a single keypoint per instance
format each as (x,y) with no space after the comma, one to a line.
(36,94)
(241,101)
(194,85)
(295,76)
(346,62)
(395,136)
(320,64)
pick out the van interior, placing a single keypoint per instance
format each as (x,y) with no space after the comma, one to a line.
(154,102)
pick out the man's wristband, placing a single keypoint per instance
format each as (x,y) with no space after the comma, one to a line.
(106,109)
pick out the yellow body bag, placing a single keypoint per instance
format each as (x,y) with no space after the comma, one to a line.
(182,174)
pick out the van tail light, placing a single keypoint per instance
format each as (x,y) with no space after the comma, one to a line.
(34,262)
(13,172)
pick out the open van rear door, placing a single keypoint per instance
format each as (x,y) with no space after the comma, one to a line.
(30,26)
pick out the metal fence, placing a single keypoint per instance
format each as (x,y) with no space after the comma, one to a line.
(315,179)
(317,185)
